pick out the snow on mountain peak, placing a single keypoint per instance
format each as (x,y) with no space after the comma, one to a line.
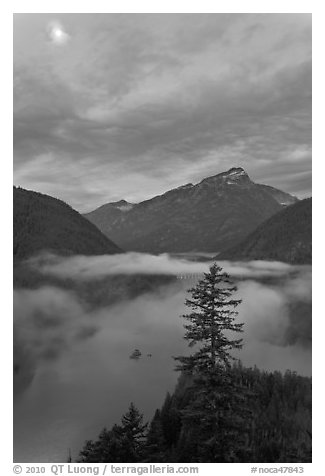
(239,171)
(122,205)
(183,187)
(125,208)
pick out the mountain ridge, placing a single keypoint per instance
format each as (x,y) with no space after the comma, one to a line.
(285,236)
(208,216)
(45,223)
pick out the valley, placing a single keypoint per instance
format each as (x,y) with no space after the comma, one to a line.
(76,366)
(162,240)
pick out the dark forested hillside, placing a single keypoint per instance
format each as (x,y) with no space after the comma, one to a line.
(42,223)
(286,236)
(272,424)
(209,216)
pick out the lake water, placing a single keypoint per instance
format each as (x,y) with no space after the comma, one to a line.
(90,382)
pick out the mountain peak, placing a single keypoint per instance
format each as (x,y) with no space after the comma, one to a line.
(211,215)
(232,176)
(235,171)
(120,202)
(122,205)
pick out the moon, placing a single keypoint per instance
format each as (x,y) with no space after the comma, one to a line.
(57,33)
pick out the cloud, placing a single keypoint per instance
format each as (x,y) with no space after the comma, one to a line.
(96,267)
(72,370)
(83,268)
(46,322)
(143,103)
(50,322)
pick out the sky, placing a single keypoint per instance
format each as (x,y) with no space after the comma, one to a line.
(128,106)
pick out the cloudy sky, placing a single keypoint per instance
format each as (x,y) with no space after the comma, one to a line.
(114,106)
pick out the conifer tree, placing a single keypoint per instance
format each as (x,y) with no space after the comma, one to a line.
(170,421)
(132,424)
(155,447)
(212,317)
(122,444)
(213,414)
(134,433)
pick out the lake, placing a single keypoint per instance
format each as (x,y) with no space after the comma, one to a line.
(82,377)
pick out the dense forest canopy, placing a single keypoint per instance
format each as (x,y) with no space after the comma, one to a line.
(42,222)
(286,236)
(274,425)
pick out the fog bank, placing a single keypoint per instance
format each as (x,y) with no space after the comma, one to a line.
(96,267)
(73,371)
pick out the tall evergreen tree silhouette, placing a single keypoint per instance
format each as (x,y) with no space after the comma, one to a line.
(213,314)
(214,413)
(122,444)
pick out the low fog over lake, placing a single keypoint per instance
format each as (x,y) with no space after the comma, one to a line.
(76,374)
